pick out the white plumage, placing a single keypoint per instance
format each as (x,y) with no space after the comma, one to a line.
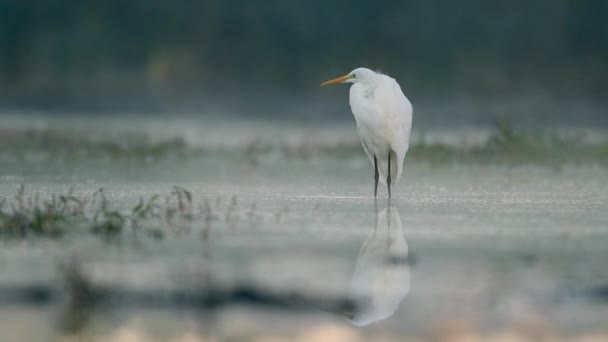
(384,120)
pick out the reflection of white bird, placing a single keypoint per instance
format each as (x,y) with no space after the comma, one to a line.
(382,274)
(384,120)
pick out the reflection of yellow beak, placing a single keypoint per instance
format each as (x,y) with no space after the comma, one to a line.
(336,80)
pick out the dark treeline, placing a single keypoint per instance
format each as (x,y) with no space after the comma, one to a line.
(70,49)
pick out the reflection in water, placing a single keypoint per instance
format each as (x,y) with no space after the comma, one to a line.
(382,274)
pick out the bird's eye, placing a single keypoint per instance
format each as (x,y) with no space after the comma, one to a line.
(354,76)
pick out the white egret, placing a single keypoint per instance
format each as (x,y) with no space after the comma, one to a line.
(384,120)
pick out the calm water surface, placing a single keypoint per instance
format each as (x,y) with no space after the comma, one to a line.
(295,247)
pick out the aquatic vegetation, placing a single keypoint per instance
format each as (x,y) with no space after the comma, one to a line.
(24,215)
(47,145)
(146,209)
(507,145)
(504,145)
(31,216)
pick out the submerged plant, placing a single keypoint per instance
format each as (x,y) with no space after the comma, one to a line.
(30,216)
(146,209)
(110,223)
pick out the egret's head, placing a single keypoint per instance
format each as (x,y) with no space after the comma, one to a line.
(359,75)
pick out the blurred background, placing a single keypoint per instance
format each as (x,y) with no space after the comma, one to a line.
(173,168)
(467,62)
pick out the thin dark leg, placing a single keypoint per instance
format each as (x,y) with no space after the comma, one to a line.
(375,217)
(388,178)
(376,177)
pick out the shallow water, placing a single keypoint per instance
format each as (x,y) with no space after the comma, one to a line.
(300,247)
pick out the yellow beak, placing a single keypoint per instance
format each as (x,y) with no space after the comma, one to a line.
(336,80)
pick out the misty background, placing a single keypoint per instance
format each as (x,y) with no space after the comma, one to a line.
(468,62)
